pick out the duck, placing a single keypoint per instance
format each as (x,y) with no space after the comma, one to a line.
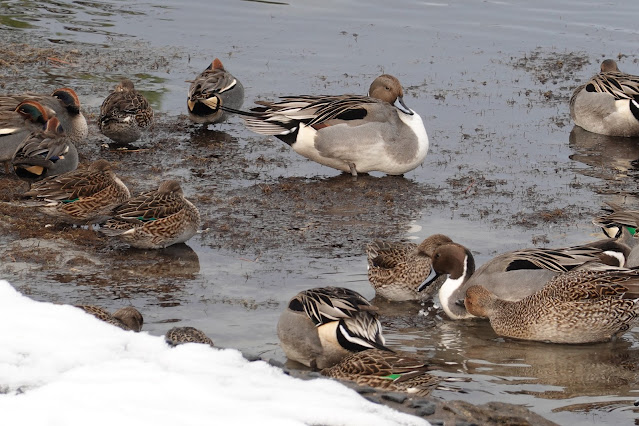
(213,88)
(616,220)
(582,306)
(45,153)
(512,275)
(15,125)
(397,269)
(181,335)
(124,113)
(351,133)
(154,219)
(81,197)
(323,325)
(385,370)
(62,103)
(127,318)
(607,103)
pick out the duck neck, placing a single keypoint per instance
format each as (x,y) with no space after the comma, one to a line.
(634,108)
(453,289)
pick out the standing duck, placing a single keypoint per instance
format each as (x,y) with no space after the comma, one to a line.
(155,219)
(355,134)
(321,326)
(125,113)
(607,104)
(49,152)
(213,88)
(81,197)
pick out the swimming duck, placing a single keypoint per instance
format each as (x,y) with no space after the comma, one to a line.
(607,104)
(155,219)
(581,306)
(124,113)
(513,275)
(321,326)
(356,134)
(81,197)
(385,370)
(396,269)
(213,88)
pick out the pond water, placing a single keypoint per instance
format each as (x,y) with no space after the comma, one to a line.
(505,168)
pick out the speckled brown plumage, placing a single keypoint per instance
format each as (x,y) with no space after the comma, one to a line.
(575,307)
(124,113)
(81,197)
(127,318)
(395,270)
(155,219)
(385,370)
(180,335)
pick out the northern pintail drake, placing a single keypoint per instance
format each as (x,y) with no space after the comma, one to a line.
(155,219)
(386,370)
(397,269)
(49,152)
(125,113)
(513,275)
(127,318)
(581,306)
(181,335)
(81,197)
(213,88)
(607,104)
(17,124)
(63,103)
(356,134)
(321,326)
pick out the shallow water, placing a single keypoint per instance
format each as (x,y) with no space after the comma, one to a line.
(491,81)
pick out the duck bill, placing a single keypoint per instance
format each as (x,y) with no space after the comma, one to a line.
(429,280)
(400,105)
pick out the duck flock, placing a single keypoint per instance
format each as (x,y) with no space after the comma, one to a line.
(580,294)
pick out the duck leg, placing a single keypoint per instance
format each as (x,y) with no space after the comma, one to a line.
(353,169)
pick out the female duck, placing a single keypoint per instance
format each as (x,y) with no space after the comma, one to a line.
(155,219)
(81,197)
(397,269)
(125,113)
(582,306)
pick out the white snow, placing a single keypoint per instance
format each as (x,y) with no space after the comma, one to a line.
(61,366)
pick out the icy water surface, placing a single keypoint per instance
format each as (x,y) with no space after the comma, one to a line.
(505,169)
